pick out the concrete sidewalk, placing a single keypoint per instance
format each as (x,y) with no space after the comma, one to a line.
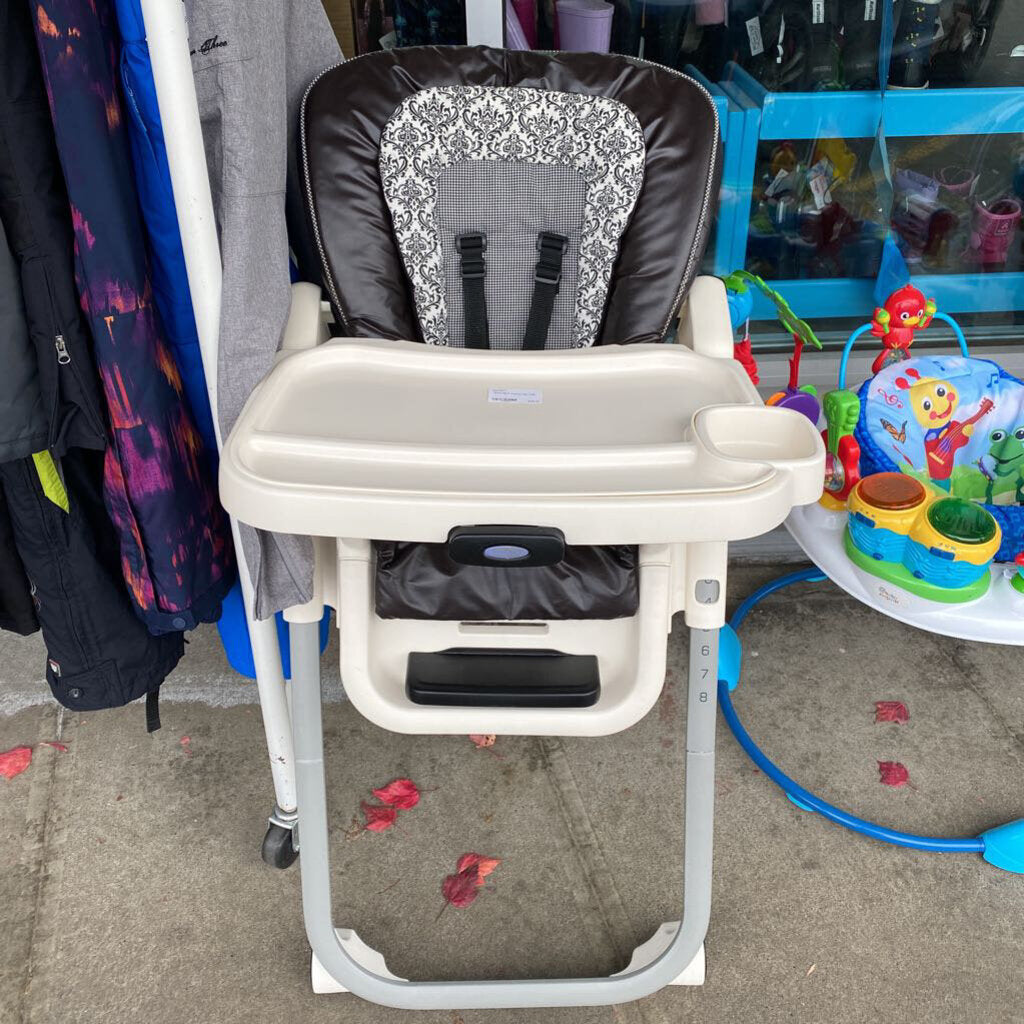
(133,889)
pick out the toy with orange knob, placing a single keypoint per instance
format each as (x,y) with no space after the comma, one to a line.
(842,453)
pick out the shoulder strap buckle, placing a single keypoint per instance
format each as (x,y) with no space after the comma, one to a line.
(471,255)
(473,270)
(549,265)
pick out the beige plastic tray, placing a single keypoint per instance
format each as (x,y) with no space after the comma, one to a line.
(632,444)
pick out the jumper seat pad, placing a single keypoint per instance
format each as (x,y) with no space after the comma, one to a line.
(509,164)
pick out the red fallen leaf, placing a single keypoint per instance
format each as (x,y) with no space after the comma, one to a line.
(484,865)
(891,711)
(461,888)
(15,761)
(62,747)
(481,741)
(401,794)
(892,773)
(378,819)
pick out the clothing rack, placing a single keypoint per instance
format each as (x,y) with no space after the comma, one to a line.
(186,157)
(167,31)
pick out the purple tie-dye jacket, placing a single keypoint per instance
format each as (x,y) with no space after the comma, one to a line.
(176,551)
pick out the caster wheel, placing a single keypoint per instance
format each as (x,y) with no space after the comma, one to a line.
(278,850)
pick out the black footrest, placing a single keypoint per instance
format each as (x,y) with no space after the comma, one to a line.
(473,677)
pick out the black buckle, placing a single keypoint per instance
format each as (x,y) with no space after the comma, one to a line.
(551,248)
(548,240)
(471,253)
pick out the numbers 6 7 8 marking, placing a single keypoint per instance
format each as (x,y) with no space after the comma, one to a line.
(705,651)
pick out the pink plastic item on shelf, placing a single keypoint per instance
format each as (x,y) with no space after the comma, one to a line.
(526,13)
(515,37)
(585,26)
(710,12)
(992,231)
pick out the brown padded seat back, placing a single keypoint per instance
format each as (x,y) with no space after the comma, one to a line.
(345,111)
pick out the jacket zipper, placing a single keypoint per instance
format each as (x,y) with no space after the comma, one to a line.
(687,276)
(63,355)
(60,345)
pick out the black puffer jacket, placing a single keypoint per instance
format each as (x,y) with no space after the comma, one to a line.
(21,407)
(24,425)
(36,218)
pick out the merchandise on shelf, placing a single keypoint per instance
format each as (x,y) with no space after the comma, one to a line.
(992,232)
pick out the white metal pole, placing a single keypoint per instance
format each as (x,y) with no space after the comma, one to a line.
(186,157)
(485,22)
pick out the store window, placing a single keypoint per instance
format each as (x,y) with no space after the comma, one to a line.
(848,126)
(385,24)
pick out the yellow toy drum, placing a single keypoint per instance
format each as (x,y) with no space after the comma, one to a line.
(939,547)
(883,508)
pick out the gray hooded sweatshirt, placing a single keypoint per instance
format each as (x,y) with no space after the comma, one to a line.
(252,62)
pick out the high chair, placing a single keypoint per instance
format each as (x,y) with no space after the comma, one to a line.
(516,469)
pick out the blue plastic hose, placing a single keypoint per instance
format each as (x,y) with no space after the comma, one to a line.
(796,791)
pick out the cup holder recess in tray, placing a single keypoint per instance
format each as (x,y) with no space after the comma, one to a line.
(737,441)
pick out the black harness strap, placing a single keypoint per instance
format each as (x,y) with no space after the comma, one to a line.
(473,269)
(546,279)
(153,710)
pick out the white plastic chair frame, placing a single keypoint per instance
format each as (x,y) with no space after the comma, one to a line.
(340,960)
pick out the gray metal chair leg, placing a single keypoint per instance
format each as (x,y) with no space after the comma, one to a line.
(360,970)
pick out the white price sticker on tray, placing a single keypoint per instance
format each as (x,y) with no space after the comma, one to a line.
(515,396)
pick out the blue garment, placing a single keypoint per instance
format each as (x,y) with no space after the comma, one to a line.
(170,285)
(153,182)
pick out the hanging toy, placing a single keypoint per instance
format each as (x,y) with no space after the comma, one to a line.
(906,311)
(741,302)
(741,305)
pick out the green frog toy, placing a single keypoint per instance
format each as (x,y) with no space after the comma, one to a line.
(1004,463)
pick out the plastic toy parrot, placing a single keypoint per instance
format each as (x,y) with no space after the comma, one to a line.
(905,312)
